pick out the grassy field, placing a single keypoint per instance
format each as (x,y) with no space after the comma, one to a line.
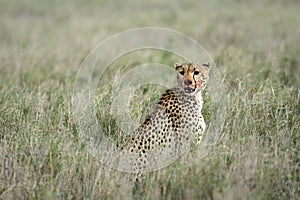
(255,44)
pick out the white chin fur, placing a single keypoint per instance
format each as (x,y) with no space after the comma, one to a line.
(192,93)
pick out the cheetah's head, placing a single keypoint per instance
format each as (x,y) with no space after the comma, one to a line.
(192,78)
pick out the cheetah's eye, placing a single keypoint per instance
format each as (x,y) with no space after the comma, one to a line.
(181,72)
(196,72)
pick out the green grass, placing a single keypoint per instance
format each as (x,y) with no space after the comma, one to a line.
(254,44)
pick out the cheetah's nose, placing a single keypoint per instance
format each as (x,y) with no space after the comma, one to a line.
(187,82)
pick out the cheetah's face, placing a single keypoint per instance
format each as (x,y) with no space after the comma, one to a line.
(192,78)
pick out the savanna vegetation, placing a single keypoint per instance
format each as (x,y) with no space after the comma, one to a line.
(256,46)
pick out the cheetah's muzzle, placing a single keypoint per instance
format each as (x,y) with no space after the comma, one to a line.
(189,90)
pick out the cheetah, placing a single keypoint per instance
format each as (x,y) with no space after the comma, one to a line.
(176,119)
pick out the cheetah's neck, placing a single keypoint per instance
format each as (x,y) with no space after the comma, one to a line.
(198,97)
(199,100)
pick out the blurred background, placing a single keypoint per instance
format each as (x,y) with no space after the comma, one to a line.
(50,38)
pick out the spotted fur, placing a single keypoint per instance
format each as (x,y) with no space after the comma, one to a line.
(176,117)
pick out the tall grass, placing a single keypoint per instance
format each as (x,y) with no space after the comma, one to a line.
(254,44)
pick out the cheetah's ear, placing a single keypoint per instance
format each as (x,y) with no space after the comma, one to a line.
(207,65)
(177,65)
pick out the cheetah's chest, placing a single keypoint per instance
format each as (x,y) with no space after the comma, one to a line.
(175,116)
(191,116)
